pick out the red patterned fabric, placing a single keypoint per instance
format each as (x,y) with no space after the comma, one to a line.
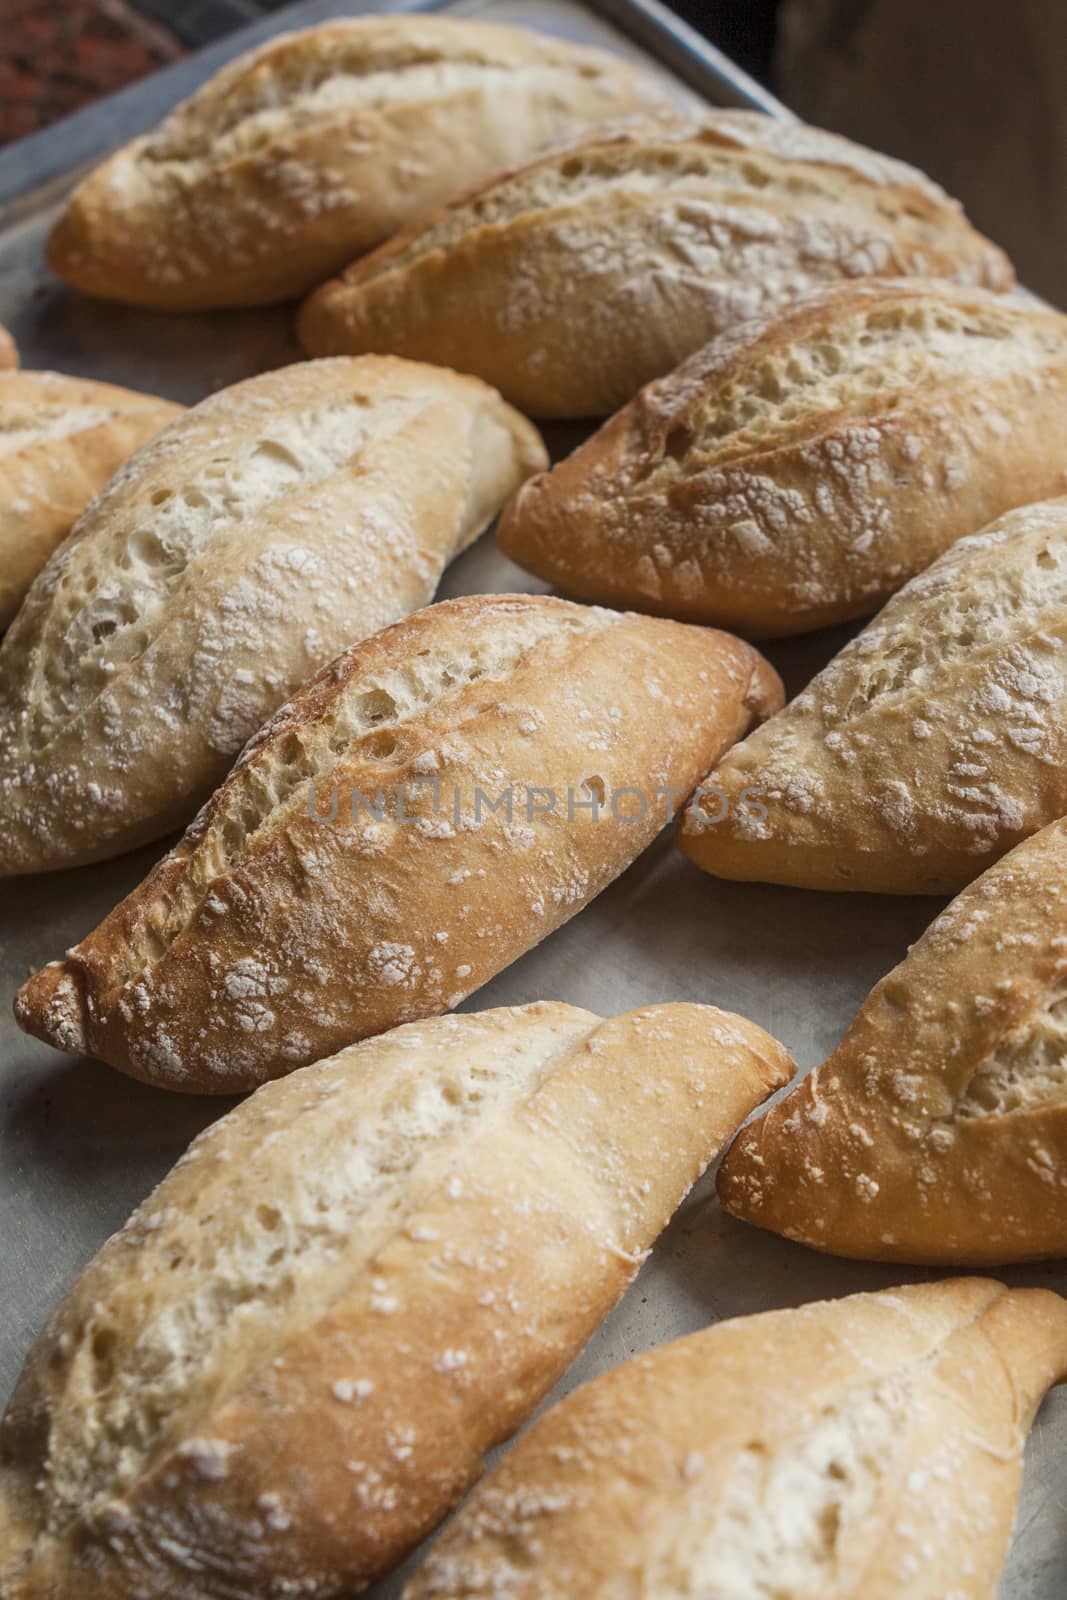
(57,55)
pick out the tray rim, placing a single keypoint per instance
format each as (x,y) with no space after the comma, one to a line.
(38,169)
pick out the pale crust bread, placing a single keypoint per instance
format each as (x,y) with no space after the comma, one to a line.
(320,144)
(860,1449)
(797,472)
(61,439)
(936,1132)
(271,526)
(290,1363)
(931,745)
(9,356)
(308,906)
(575,280)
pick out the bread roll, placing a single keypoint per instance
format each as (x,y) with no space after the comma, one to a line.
(9,356)
(292,1360)
(932,744)
(318,145)
(797,472)
(60,441)
(429,807)
(937,1130)
(860,1449)
(575,280)
(265,530)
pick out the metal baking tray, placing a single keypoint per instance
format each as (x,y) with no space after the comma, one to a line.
(81,1145)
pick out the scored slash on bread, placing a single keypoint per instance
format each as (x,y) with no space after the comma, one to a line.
(61,439)
(936,1132)
(934,742)
(294,917)
(868,1448)
(797,472)
(290,1363)
(318,145)
(269,527)
(575,280)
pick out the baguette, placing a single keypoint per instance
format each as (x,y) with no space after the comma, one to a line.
(428,808)
(933,743)
(292,1360)
(860,1449)
(937,1130)
(9,356)
(575,280)
(61,439)
(234,555)
(796,473)
(318,145)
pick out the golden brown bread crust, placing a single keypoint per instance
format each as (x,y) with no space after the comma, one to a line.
(61,439)
(274,524)
(308,906)
(796,473)
(349,1290)
(931,745)
(9,356)
(317,146)
(575,280)
(936,1132)
(867,1448)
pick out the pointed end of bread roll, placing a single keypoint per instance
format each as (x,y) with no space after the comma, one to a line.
(741,1180)
(315,322)
(51,1006)
(80,249)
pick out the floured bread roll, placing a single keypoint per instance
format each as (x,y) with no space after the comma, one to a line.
(290,1363)
(272,525)
(578,278)
(934,742)
(318,145)
(937,1130)
(799,471)
(429,807)
(9,356)
(860,1449)
(61,439)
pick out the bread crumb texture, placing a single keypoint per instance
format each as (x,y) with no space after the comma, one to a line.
(298,913)
(935,1132)
(61,439)
(318,145)
(601,265)
(798,471)
(289,1363)
(930,745)
(861,1449)
(229,559)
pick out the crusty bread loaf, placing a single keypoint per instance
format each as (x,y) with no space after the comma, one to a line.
(429,807)
(269,527)
(60,441)
(937,1130)
(9,356)
(317,146)
(291,1361)
(797,472)
(577,279)
(860,1449)
(934,742)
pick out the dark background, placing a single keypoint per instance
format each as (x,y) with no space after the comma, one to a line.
(970,90)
